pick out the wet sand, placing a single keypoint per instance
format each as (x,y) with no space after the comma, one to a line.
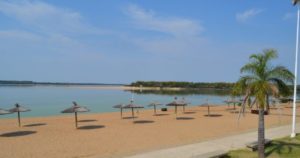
(107,135)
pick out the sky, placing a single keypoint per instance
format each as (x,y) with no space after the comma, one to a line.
(122,41)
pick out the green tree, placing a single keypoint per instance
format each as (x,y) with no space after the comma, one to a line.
(261,80)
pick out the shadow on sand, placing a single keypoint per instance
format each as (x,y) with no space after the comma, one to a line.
(190,112)
(129,117)
(213,115)
(161,114)
(35,124)
(234,112)
(185,118)
(230,109)
(277,114)
(88,127)
(17,133)
(143,121)
(87,120)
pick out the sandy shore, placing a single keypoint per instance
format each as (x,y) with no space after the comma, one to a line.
(106,135)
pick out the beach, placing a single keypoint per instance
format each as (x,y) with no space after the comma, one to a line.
(107,135)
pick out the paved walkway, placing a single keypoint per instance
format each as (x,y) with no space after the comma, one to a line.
(227,143)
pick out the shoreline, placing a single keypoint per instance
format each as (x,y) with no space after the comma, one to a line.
(110,112)
(287,105)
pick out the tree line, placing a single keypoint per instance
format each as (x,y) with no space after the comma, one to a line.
(171,84)
(194,85)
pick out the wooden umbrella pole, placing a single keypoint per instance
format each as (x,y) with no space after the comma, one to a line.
(76,125)
(132,112)
(121,112)
(19,119)
(208,110)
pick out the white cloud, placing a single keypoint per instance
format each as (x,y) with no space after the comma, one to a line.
(288,16)
(46,18)
(248,14)
(47,29)
(17,34)
(172,25)
(175,35)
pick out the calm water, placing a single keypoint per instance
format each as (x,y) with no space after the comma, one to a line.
(50,100)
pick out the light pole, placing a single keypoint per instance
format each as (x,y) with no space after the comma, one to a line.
(293,134)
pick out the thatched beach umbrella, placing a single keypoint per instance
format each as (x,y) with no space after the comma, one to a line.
(184,102)
(232,101)
(19,109)
(120,106)
(177,103)
(75,109)
(132,107)
(3,112)
(227,102)
(208,108)
(154,104)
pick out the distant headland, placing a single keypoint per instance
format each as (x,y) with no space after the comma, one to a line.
(13,82)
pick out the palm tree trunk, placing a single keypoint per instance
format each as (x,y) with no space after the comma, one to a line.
(261,134)
(268,103)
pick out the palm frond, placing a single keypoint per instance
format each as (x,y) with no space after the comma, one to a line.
(284,90)
(269,54)
(249,68)
(263,80)
(243,106)
(274,90)
(256,57)
(282,73)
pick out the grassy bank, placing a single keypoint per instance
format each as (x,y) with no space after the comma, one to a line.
(284,147)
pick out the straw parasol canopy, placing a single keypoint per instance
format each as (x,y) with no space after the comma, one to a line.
(177,103)
(227,102)
(208,108)
(120,106)
(75,109)
(154,104)
(18,109)
(3,112)
(232,101)
(132,106)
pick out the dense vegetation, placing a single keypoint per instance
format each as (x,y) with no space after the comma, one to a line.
(216,85)
(211,91)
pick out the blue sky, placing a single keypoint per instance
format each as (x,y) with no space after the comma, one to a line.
(122,41)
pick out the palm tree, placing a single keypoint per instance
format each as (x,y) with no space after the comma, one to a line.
(260,81)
